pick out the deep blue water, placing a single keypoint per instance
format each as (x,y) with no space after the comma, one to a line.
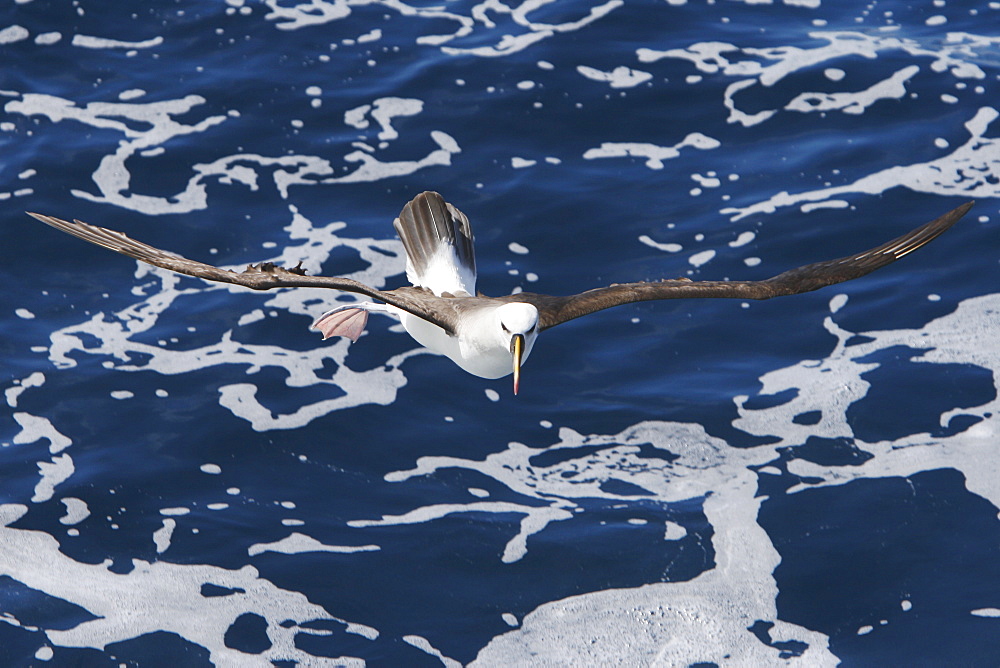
(190,477)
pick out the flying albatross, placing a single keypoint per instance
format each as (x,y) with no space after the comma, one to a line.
(490,336)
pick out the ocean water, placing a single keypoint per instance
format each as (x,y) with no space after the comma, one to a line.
(191,477)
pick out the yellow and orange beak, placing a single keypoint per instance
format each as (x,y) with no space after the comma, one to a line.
(516,350)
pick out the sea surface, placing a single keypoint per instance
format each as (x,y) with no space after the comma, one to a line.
(190,477)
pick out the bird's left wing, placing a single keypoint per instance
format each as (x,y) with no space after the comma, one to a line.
(262,276)
(556,310)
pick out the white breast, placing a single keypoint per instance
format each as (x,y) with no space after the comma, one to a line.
(478,348)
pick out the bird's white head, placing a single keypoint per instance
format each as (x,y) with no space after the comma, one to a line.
(518,329)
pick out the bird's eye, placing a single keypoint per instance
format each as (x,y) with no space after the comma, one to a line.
(505,328)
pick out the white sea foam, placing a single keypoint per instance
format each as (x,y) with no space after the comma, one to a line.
(655,155)
(838,379)
(601,626)
(317,12)
(986,612)
(297,543)
(92,42)
(34,427)
(701,257)
(53,472)
(76,511)
(535,519)
(14,33)
(535,31)
(666,247)
(620,77)
(153,126)
(425,646)
(35,379)
(156,597)
(162,536)
(674,531)
(667,623)
(382,111)
(971,170)
(890,88)
(752,66)
(47,38)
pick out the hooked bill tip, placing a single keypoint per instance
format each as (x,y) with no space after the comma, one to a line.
(517,348)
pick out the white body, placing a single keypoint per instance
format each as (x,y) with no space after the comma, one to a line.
(481,347)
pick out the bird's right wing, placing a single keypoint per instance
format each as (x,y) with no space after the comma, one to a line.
(556,310)
(440,253)
(262,276)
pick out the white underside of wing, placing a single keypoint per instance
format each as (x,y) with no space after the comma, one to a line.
(444,273)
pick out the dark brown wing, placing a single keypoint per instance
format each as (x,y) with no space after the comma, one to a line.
(556,310)
(263,276)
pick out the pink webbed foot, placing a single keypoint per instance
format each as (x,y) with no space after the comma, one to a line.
(346,321)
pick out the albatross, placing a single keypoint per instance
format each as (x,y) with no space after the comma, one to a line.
(490,337)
